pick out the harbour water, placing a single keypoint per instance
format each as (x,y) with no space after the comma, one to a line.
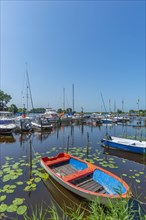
(21,175)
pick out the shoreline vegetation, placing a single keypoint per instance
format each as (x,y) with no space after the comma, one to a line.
(122,209)
(6,98)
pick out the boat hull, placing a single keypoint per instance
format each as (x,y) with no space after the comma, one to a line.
(7,129)
(133,146)
(85,179)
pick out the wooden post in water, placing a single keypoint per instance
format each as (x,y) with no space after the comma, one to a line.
(67,144)
(30,159)
(87,144)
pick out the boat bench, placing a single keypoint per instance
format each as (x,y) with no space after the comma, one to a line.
(77,174)
(64,170)
(56,161)
(86,182)
(91,185)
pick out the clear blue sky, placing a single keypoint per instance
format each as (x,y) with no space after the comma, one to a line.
(99,46)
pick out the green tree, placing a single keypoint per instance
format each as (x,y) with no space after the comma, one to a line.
(59,110)
(119,111)
(4,99)
(13,108)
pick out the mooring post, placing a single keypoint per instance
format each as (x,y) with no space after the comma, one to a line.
(30,159)
(87,143)
(67,144)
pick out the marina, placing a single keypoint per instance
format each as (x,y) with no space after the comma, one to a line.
(22,176)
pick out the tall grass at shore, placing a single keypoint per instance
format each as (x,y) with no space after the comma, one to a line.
(120,210)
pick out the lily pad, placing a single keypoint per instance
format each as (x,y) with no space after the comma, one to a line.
(18,201)
(124,174)
(37,180)
(19,183)
(12,208)
(3,207)
(6,178)
(21,209)
(2,198)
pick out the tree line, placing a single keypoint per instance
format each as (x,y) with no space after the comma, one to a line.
(6,98)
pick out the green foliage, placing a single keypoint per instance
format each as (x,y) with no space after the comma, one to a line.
(119,209)
(60,110)
(37,110)
(4,99)
(13,108)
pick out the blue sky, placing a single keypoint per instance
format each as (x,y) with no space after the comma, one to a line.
(97,46)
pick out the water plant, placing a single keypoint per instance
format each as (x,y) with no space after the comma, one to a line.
(120,210)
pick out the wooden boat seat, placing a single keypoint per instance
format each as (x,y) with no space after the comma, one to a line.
(56,161)
(77,174)
(88,183)
(64,170)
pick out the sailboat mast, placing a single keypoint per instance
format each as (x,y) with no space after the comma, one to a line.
(63,99)
(28,88)
(73,97)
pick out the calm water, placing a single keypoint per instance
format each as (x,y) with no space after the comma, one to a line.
(20,169)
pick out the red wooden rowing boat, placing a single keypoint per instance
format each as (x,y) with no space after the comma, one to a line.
(85,179)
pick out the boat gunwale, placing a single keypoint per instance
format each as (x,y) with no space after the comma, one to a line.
(131,143)
(66,180)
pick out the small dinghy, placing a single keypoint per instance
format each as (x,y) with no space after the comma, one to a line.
(135,146)
(85,179)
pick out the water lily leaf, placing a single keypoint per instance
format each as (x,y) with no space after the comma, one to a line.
(6,170)
(22,164)
(43,175)
(12,208)
(6,178)
(19,183)
(14,177)
(2,198)
(12,186)
(3,207)
(27,188)
(21,209)
(15,166)
(9,191)
(5,165)
(138,181)
(6,187)
(37,153)
(8,158)
(37,180)
(1,173)
(33,185)
(124,174)
(29,182)
(18,201)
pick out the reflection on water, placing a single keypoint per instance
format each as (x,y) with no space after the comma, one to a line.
(65,199)
(7,138)
(22,154)
(138,158)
